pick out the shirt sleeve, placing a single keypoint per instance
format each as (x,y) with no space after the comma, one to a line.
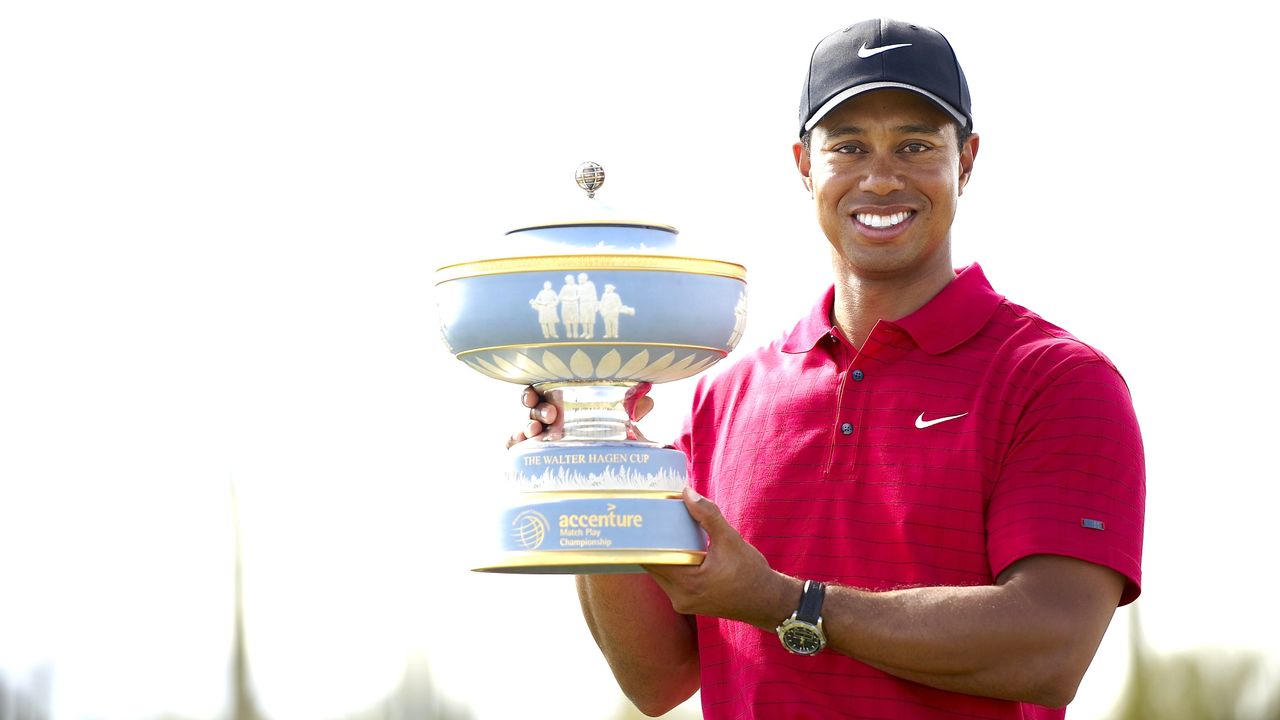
(1074,480)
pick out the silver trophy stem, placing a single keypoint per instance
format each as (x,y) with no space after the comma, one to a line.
(591,412)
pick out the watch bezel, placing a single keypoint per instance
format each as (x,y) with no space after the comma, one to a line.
(808,630)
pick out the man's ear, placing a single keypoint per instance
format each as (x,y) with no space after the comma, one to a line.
(968,152)
(802,164)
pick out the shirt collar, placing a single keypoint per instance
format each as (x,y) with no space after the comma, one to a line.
(955,314)
(814,326)
(951,317)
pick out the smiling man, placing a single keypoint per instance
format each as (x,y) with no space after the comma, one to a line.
(925,501)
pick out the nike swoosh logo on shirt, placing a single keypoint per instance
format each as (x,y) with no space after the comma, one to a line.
(921,423)
(866,52)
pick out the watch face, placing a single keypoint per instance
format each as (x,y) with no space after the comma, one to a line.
(802,639)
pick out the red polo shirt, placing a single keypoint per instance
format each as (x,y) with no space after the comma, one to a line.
(960,439)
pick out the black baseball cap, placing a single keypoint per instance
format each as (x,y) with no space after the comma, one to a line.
(880,54)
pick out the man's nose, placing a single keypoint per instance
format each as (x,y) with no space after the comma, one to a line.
(882,177)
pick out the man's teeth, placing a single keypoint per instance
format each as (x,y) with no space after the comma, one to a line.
(882,221)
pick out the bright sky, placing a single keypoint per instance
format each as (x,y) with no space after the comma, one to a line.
(218,227)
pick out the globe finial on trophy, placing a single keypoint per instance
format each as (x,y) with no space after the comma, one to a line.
(590,177)
(590,312)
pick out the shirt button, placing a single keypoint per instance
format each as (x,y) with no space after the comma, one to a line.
(858,375)
(847,428)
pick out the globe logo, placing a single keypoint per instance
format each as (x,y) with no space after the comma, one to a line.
(529,528)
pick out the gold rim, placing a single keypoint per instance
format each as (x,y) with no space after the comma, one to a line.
(604,262)
(525,346)
(549,560)
(598,223)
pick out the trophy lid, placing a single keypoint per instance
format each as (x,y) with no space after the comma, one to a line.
(590,224)
(629,308)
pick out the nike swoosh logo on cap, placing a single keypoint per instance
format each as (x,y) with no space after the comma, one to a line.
(866,52)
(921,423)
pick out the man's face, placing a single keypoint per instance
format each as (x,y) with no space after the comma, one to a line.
(885,173)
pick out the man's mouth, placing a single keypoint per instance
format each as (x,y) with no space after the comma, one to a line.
(883,221)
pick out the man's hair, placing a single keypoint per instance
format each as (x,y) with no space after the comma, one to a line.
(962,135)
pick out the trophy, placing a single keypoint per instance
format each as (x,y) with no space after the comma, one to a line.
(586,311)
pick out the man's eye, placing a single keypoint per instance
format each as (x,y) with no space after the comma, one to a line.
(915,147)
(849,149)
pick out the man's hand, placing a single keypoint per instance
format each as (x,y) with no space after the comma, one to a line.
(734,580)
(545,417)
(542,415)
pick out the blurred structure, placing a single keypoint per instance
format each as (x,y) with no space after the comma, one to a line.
(242,704)
(26,701)
(1201,685)
(415,698)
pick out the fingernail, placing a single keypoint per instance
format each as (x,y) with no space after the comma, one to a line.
(693,494)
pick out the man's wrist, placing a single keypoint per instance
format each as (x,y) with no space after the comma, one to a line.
(782,601)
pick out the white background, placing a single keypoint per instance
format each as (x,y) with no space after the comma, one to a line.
(218,227)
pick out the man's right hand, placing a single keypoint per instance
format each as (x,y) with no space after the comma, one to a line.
(544,414)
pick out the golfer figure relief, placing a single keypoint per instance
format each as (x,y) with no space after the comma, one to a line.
(610,308)
(739,319)
(587,306)
(545,304)
(569,307)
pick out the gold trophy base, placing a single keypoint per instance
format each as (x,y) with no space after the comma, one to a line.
(593,562)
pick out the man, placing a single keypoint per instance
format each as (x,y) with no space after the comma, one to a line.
(928,501)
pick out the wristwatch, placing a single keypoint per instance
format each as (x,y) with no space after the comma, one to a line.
(802,632)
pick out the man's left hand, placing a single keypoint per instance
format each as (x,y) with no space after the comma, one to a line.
(734,581)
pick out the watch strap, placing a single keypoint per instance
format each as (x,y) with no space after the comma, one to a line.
(811,602)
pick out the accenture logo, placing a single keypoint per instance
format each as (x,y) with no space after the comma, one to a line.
(529,528)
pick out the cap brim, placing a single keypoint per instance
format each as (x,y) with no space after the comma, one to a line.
(840,97)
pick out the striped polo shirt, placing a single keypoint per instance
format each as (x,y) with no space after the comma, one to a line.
(959,439)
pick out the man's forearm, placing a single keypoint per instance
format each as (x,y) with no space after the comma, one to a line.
(1017,640)
(1029,637)
(652,649)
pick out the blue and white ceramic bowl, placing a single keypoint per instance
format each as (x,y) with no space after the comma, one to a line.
(598,302)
